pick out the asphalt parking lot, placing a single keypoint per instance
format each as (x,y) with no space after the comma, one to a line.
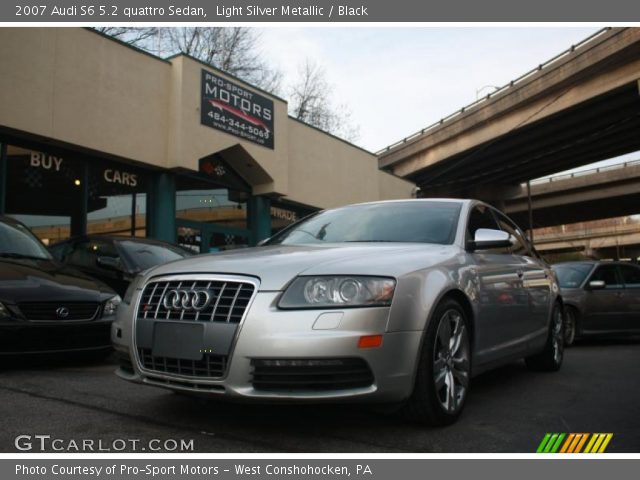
(509,410)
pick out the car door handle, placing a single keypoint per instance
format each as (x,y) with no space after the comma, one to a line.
(520,273)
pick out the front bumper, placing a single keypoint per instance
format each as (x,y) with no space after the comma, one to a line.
(24,337)
(273,336)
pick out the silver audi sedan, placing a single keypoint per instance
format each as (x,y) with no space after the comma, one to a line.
(398,302)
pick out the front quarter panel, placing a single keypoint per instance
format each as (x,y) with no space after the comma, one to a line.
(419,292)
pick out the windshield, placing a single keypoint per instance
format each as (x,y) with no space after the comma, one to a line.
(147,255)
(411,221)
(17,241)
(571,275)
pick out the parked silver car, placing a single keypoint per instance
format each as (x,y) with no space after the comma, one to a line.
(399,301)
(601,298)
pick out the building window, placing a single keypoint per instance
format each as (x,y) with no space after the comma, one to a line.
(117,200)
(44,191)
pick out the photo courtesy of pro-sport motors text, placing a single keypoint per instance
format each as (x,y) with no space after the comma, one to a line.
(286,239)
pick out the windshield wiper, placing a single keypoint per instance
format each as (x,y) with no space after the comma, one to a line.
(20,255)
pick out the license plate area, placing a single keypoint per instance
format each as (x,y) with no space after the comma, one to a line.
(178,340)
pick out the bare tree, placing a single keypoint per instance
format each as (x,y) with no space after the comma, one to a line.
(310,101)
(136,36)
(236,50)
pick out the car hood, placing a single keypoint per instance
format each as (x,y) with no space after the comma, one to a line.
(277,265)
(31,280)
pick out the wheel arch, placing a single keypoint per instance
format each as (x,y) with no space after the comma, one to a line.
(577,315)
(460,297)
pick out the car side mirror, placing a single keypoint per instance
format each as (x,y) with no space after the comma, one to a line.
(108,263)
(488,238)
(596,284)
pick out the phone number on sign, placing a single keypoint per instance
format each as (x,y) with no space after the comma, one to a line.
(242,126)
(107,11)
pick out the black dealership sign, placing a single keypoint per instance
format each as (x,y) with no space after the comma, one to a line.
(229,107)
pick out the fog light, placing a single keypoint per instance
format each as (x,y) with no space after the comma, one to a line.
(370,341)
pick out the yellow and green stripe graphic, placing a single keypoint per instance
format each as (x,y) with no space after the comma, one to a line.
(574,443)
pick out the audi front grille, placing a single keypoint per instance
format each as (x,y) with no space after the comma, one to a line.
(204,312)
(199,300)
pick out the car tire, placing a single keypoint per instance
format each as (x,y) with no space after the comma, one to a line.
(444,362)
(550,359)
(570,326)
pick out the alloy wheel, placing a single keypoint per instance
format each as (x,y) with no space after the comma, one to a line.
(569,326)
(557,335)
(451,362)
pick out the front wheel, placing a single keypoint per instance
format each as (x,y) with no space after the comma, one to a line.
(550,359)
(444,369)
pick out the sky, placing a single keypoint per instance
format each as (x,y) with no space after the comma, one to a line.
(397,81)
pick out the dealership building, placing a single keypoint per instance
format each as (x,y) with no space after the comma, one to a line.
(98,137)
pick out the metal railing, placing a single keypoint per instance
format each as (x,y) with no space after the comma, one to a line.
(487,97)
(584,173)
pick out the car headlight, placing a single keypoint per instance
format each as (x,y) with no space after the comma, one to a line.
(110,306)
(4,312)
(338,291)
(133,286)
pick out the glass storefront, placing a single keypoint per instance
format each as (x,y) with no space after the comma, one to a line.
(44,191)
(117,200)
(212,217)
(59,195)
(284,214)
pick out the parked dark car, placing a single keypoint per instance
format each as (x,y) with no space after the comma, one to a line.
(46,306)
(600,298)
(115,260)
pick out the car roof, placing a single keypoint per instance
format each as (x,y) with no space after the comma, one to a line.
(595,262)
(117,238)
(574,262)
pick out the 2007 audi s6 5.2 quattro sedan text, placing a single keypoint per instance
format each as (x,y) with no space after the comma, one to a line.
(397,302)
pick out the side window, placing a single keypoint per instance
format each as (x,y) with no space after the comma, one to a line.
(85,253)
(609,275)
(630,276)
(520,246)
(481,217)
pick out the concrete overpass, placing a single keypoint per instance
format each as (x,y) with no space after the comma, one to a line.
(620,241)
(579,197)
(580,107)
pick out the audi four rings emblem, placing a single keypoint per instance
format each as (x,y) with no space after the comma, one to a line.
(183,299)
